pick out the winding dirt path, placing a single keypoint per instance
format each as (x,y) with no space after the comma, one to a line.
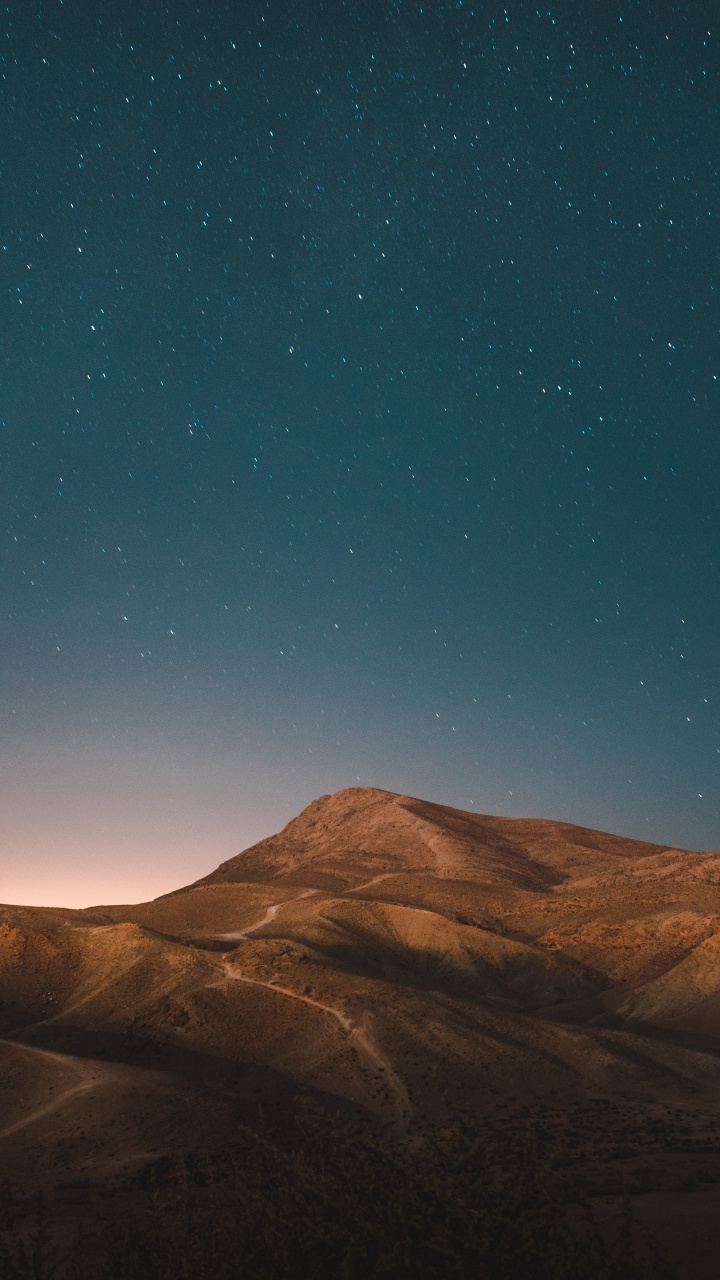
(90,1075)
(361,1039)
(368,883)
(239,934)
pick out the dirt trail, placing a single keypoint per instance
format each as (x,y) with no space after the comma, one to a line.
(439,846)
(375,880)
(239,934)
(90,1074)
(359,1037)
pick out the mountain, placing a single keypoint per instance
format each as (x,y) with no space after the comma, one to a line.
(363,833)
(396,960)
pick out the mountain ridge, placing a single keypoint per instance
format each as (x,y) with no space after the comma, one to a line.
(371,811)
(396,960)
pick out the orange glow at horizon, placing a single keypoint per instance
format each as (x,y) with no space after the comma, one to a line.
(97,824)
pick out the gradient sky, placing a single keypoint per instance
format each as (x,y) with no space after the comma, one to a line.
(359,423)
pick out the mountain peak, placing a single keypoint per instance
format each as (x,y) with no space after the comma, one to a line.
(354,835)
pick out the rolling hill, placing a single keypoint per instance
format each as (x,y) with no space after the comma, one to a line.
(397,961)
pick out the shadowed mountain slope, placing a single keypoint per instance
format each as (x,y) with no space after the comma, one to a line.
(396,959)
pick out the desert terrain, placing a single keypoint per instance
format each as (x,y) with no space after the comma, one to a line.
(397,963)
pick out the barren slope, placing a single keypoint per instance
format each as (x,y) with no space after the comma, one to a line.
(392,956)
(358,834)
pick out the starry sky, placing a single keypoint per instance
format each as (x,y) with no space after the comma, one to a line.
(358,423)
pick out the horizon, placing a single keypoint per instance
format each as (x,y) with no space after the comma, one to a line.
(359,421)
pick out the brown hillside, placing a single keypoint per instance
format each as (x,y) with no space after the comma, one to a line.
(361,833)
(397,959)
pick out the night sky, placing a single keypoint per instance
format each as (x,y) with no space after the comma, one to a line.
(359,423)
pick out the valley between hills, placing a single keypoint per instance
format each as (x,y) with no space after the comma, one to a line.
(399,963)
